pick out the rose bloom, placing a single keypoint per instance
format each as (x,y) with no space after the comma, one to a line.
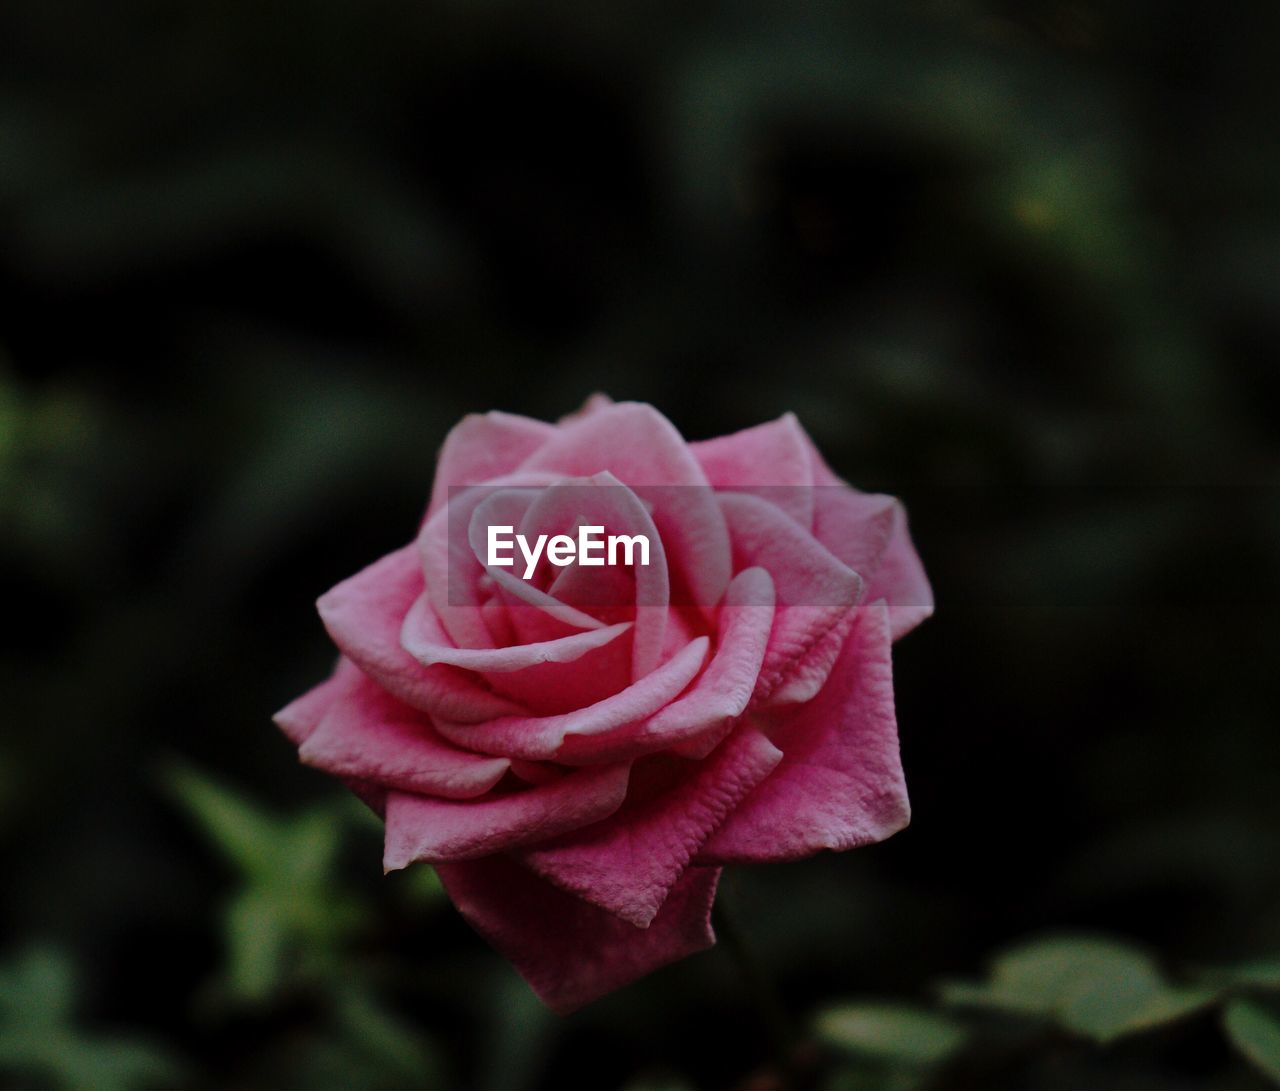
(578,773)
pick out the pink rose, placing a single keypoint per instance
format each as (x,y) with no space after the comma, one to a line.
(578,764)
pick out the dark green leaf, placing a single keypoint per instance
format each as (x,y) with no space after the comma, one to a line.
(1256,1034)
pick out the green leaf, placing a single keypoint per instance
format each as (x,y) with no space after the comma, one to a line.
(1262,974)
(890,1032)
(257,939)
(397,1048)
(37,988)
(38,1035)
(1099,988)
(240,830)
(290,917)
(1256,1034)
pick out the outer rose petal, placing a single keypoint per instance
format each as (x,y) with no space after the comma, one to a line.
(594,403)
(569,951)
(771,460)
(484,446)
(628,863)
(815,592)
(301,716)
(368,735)
(845,521)
(435,830)
(840,782)
(364,616)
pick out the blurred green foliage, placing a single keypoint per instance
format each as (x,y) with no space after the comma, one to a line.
(40,1038)
(1017,261)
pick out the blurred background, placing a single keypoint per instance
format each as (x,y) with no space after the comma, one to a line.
(1017,262)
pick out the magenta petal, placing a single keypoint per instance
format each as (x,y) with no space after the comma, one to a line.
(569,951)
(840,782)
(364,616)
(300,717)
(484,446)
(453,577)
(771,460)
(628,863)
(594,403)
(869,533)
(424,638)
(640,447)
(603,500)
(695,722)
(539,738)
(369,736)
(815,591)
(433,830)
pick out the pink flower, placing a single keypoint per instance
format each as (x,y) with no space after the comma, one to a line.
(579,765)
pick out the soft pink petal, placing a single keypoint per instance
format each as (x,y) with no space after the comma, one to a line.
(770,460)
(815,591)
(456,582)
(484,446)
(808,673)
(840,782)
(424,638)
(546,677)
(508,507)
(869,533)
(628,863)
(369,736)
(541,738)
(302,716)
(602,500)
(300,719)
(594,403)
(640,447)
(420,828)
(364,616)
(569,951)
(697,720)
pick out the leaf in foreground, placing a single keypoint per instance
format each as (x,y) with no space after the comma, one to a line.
(1255,1033)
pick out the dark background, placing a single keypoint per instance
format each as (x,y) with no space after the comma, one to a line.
(1019,263)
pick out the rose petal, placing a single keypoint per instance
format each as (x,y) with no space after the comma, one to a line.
(433,830)
(424,638)
(602,500)
(697,720)
(815,590)
(508,507)
(640,447)
(455,579)
(300,717)
(540,738)
(840,782)
(484,446)
(594,403)
(770,461)
(850,524)
(569,951)
(628,863)
(364,616)
(369,736)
